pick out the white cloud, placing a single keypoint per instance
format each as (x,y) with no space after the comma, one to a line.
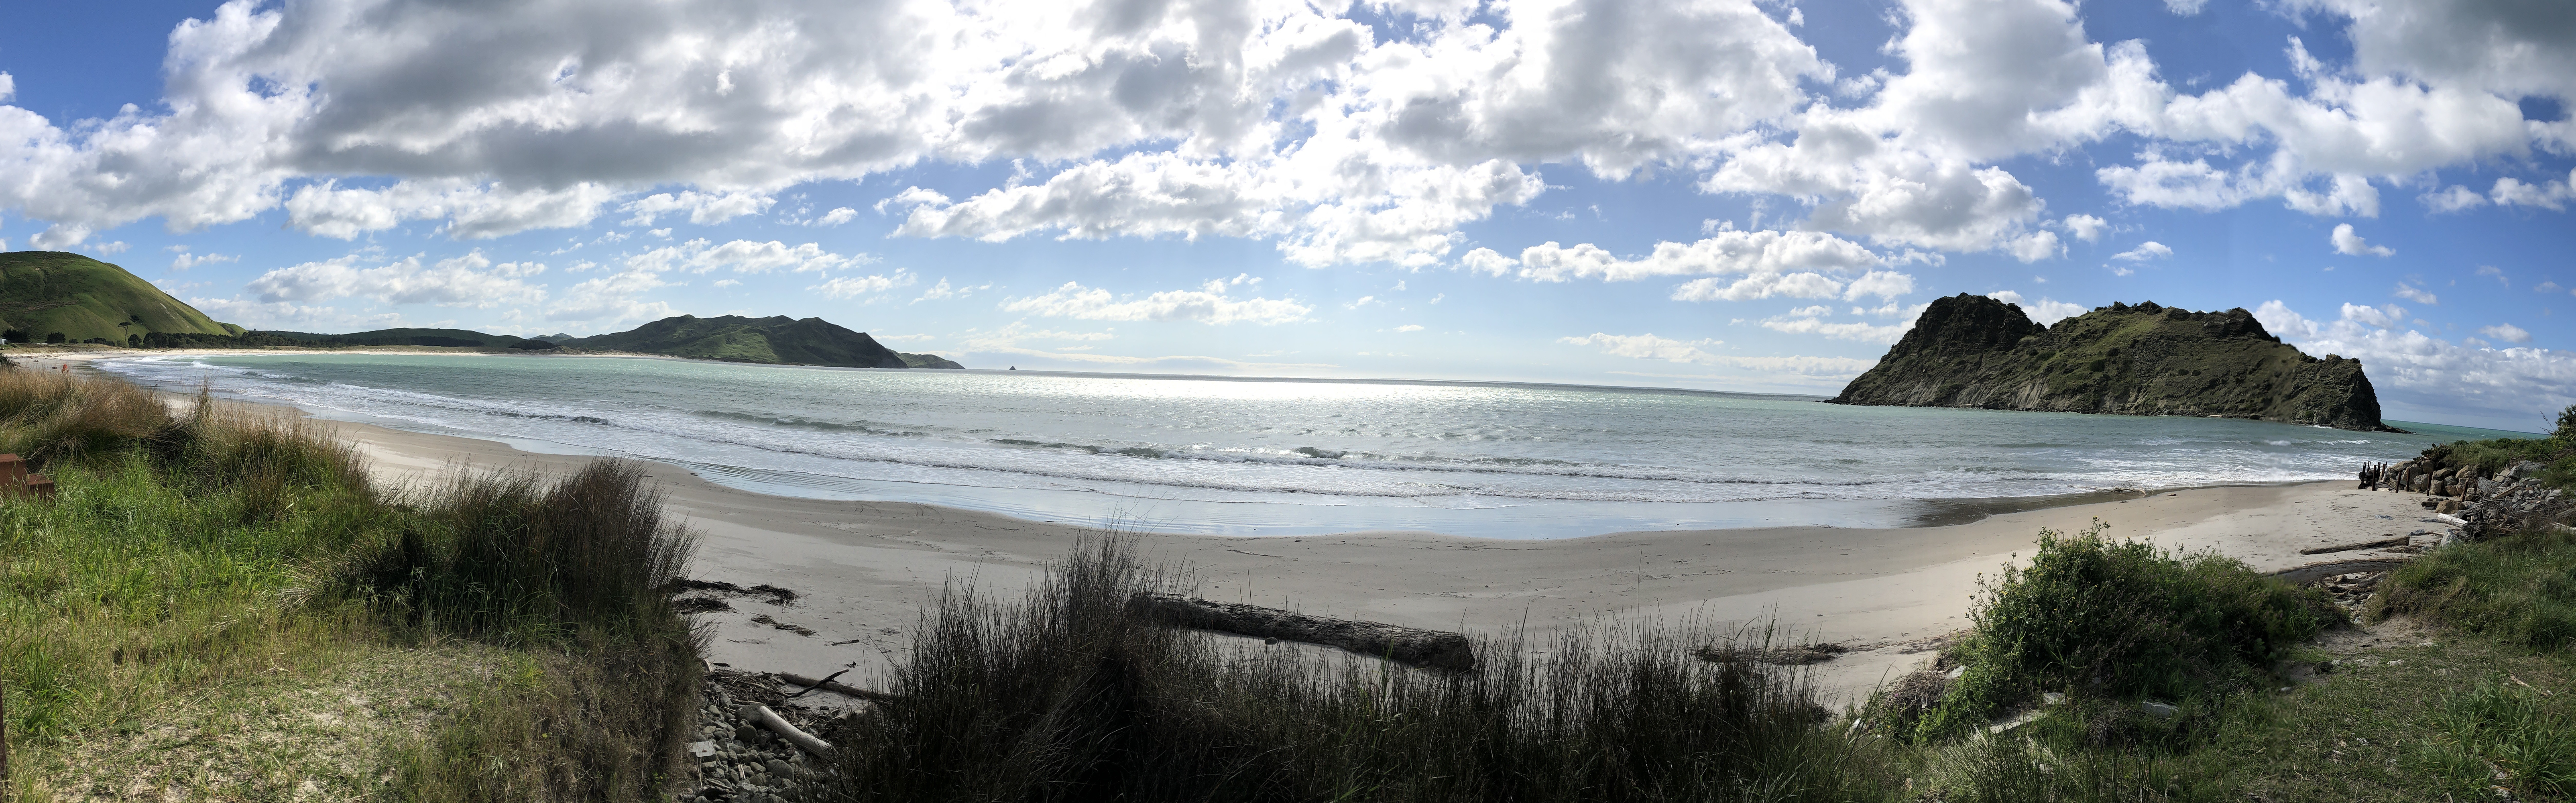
(2452,199)
(2551,195)
(2546,287)
(1757,252)
(944,290)
(1885,284)
(1759,285)
(2506,332)
(290,316)
(2409,367)
(2350,244)
(743,256)
(2145,251)
(2046,311)
(2496,273)
(2036,246)
(2415,294)
(1210,304)
(187,260)
(467,281)
(854,286)
(2382,316)
(1810,320)
(2086,227)
(1650,347)
(703,207)
(1410,327)
(837,216)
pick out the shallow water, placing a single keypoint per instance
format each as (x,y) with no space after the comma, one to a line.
(1285,456)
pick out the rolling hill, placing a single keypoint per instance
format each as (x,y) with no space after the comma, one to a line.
(775,339)
(44,292)
(412,337)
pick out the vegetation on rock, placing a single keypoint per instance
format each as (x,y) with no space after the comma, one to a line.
(1977,352)
(733,338)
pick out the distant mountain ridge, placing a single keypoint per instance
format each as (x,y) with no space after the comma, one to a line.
(1977,352)
(776,339)
(412,337)
(48,292)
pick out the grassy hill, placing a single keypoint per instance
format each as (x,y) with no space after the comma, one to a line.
(413,337)
(43,292)
(775,339)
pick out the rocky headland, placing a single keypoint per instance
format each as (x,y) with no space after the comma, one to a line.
(1976,352)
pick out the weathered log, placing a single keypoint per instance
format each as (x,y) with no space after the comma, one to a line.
(1427,648)
(779,725)
(834,686)
(2316,571)
(2394,540)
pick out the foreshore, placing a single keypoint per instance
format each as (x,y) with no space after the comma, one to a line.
(864,572)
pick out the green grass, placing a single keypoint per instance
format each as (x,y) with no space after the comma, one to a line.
(52,291)
(204,583)
(2520,589)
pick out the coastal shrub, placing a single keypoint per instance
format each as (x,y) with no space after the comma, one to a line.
(2502,729)
(2113,622)
(1070,694)
(2519,588)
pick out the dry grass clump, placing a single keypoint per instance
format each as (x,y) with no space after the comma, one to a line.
(1070,695)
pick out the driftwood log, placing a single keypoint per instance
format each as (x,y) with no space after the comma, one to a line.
(785,730)
(834,686)
(1426,648)
(2313,572)
(2394,540)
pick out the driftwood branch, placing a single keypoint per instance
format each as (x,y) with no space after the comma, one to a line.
(2399,540)
(2316,571)
(779,725)
(1427,648)
(830,685)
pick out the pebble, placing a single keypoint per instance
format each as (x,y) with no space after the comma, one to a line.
(746,764)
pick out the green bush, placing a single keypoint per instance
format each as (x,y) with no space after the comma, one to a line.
(2518,588)
(2104,620)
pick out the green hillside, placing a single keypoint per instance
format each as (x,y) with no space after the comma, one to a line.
(43,292)
(775,339)
(412,337)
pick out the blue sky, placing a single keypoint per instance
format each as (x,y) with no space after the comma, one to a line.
(1725,194)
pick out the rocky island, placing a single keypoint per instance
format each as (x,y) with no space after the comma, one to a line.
(1977,352)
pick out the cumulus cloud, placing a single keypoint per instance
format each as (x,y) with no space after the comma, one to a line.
(2454,198)
(185,260)
(2508,384)
(2506,332)
(1728,252)
(2086,227)
(1340,133)
(2145,251)
(855,286)
(2046,311)
(1811,320)
(743,256)
(2415,294)
(467,281)
(1209,304)
(2350,244)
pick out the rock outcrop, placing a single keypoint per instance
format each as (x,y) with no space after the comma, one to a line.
(1977,352)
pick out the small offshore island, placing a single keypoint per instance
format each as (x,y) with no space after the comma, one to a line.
(1977,352)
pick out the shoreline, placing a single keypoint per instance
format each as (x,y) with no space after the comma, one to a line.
(866,570)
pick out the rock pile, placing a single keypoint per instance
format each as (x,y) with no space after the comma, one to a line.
(2509,500)
(738,762)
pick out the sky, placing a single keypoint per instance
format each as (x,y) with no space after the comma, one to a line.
(1746,195)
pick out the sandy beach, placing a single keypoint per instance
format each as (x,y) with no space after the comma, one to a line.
(866,570)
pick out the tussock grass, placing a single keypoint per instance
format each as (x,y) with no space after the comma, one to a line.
(1070,694)
(574,572)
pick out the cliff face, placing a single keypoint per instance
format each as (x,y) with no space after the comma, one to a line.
(1973,351)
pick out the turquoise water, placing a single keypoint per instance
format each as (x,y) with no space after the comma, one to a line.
(1285,456)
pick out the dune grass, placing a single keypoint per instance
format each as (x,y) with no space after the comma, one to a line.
(207,575)
(2518,588)
(1070,694)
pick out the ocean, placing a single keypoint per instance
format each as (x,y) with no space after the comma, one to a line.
(1288,456)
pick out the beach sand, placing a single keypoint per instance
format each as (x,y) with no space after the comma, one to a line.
(865,571)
